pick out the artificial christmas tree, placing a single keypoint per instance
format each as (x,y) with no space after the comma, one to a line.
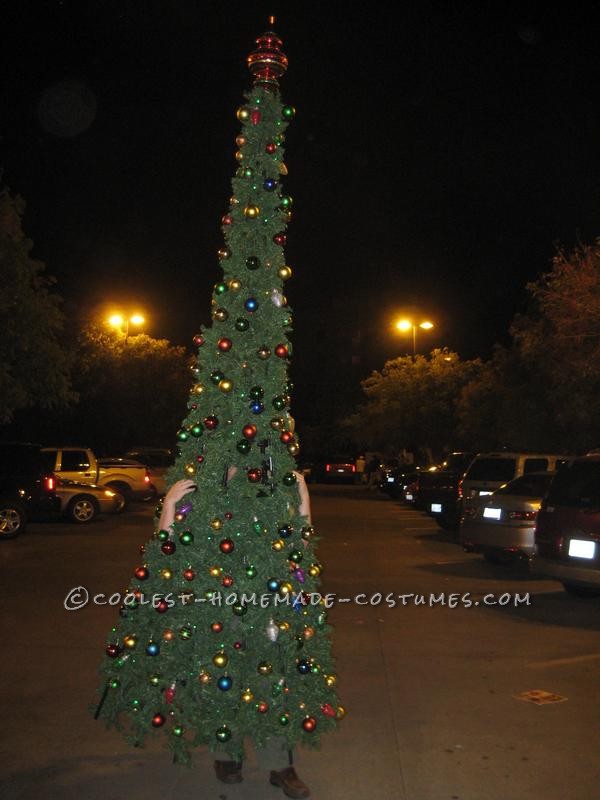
(222,635)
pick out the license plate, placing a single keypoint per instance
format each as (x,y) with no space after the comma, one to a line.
(436,508)
(409,496)
(492,513)
(581,548)
(390,480)
(482,493)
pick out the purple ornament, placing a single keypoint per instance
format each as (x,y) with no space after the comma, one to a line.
(299,574)
(185,509)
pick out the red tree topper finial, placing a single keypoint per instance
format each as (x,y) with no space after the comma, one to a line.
(268,62)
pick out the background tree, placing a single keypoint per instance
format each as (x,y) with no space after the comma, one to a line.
(34,365)
(413,402)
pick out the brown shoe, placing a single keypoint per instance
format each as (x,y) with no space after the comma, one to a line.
(229,771)
(291,784)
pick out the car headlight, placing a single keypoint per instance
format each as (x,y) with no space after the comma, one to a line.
(108,493)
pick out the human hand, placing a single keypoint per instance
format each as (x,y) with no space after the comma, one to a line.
(179,490)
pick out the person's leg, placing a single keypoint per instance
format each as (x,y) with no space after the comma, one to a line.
(276,758)
(226,769)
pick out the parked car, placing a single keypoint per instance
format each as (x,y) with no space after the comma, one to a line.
(125,476)
(157,460)
(501,525)
(336,469)
(81,503)
(567,534)
(488,471)
(27,488)
(439,489)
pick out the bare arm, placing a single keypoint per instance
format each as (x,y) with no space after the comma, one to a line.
(173,496)
(304,507)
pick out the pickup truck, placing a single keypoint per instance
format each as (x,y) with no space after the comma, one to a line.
(130,478)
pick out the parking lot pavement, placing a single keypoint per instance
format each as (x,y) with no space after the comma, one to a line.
(433,690)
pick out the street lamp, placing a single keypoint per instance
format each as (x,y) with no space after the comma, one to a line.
(405,325)
(119,321)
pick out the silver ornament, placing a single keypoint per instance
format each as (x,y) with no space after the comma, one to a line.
(272,631)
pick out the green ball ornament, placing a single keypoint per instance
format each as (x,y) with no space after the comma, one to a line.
(288,112)
(248,172)
(239,609)
(136,704)
(196,431)
(242,324)
(220,288)
(154,680)
(251,571)
(257,527)
(216,376)
(252,262)
(223,734)
(289,479)
(279,402)
(186,632)
(284,719)
(243,447)
(256,392)
(183,436)
(296,556)
(178,730)
(162,536)
(114,683)
(186,537)
(286,202)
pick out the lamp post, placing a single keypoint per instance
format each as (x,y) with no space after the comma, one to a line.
(405,325)
(118,321)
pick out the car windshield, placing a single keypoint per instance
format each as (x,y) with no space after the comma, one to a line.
(457,462)
(491,469)
(528,485)
(577,485)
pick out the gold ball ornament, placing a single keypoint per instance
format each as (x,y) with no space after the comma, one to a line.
(166,574)
(265,668)
(251,212)
(220,660)
(225,385)
(130,641)
(204,677)
(340,712)
(197,388)
(308,632)
(239,156)
(278,545)
(284,626)
(285,273)
(243,114)
(263,352)
(220,314)
(286,588)
(330,680)
(190,469)
(216,524)
(168,635)
(278,423)
(215,572)
(293,448)
(247,696)
(240,140)
(235,285)
(314,570)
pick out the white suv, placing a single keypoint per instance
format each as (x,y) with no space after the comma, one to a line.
(489,471)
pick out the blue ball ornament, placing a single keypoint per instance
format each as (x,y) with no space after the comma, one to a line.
(269,184)
(257,407)
(153,649)
(303,667)
(273,585)
(225,683)
(251,304)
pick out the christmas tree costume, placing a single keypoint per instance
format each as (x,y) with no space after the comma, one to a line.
(223,635)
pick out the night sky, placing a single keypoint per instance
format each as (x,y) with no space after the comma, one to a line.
(439,155)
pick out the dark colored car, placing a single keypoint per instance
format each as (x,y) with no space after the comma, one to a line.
(27,489)
(439,489)
(567,534)
(336,469)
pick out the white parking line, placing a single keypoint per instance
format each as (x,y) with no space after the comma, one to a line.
(559,662)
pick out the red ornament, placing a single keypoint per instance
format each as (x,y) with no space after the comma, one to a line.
(262,707)
(198,340)
(168,548)
(270,148)
(158,721)
(200,459)
(162,606)
(217,627)
(169,694)
(227,219)
(286,437)
(228,515)
(254,475)
(237,645)
(224,345)
(328,710)
(281,351)
(226,546)
(189,574)
(227,581)
(141,573)
(112,650)
(280,239)
(309,724)
(249,431)
(255,116)
(211,422)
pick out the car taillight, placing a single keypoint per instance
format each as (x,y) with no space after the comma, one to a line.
(50,483)
(328,468)
(147,477)
(525,515)
(460,490)
(353,467)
